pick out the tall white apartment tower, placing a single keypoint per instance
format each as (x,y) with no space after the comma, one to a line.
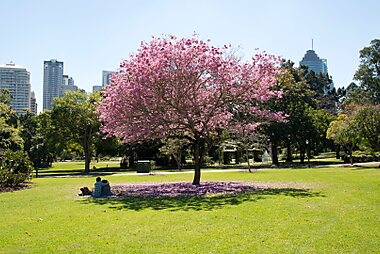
(17,80)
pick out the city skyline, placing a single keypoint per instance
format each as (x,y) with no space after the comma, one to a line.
(99,38)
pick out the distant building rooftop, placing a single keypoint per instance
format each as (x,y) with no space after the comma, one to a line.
(310,56)
(11,65)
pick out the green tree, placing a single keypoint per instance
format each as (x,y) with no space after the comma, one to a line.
(320,120)
(15,169)
(309,106)
(368,73)
(5,96)
(107,146)
(46,142)
(341,131)
(174,147)
(366,122)
(353,94)
(28,122)
(297,96)
(324,97)
(74,117)
(10,138)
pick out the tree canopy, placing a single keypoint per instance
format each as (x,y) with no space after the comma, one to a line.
(368,73)
(186,87)
(75,118)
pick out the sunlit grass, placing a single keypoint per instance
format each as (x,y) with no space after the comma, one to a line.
(324,210)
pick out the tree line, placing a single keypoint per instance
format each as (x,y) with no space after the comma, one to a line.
(194,92)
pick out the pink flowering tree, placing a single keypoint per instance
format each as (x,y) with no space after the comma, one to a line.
(187,88)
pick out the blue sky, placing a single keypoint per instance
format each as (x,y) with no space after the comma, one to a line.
(92,35)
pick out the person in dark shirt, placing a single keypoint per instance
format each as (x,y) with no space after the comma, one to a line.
(106,188)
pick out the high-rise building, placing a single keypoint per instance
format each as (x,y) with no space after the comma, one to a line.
(106,77)
(318,65)
(68,85)
(17,80)
(96,88)
(33,103)
(314,63)
(68,81)
(53,81)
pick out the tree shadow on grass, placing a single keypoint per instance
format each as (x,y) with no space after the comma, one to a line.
(197,202)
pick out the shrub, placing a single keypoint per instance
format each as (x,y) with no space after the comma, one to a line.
(15,169)
(361,157)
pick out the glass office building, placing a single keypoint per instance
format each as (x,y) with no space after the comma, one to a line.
(314,63)
(318,65)
(53,82)
(106,76)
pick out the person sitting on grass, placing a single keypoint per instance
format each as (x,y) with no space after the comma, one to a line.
(106,188)
(97,188)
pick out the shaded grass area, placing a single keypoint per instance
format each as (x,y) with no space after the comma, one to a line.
(321,210)
(76,168)
(197,203)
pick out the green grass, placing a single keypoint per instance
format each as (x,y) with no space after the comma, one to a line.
(77,168)
(323,210)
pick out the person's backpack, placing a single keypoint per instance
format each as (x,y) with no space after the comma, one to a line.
(85,191)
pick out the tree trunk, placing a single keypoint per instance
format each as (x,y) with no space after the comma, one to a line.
(337,151)
(351,157)
(87,164)
(131,160)
(87,148)
(221,156)
(289,157)
(197,163)
(237,157)
(308,152)
(249,165)
(87,155)
(302,155)
(177,160)
(274,153)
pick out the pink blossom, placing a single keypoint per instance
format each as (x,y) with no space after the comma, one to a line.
(185,85)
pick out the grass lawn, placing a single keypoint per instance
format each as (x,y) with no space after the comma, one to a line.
(322,210)
(77,167)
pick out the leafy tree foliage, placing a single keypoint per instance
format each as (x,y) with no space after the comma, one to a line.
(324,97)
(76,122)
(358,123)
(9,128)
(5,96)
(28,122)
(46,144)
(185,86)
(368,73)
(295,101)
(174,147)
(366,123)
(308,109)
(15,168)
(341,131)
(110,146)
